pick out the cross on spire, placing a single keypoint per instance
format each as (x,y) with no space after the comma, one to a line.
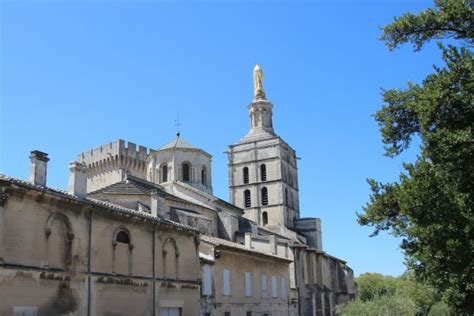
(177,122)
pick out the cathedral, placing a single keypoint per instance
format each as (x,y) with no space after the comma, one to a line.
(139,232)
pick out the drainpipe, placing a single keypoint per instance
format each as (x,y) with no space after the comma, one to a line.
(89,262)
(153,260)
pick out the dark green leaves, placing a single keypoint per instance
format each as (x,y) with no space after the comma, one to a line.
(431,206)
(450,19)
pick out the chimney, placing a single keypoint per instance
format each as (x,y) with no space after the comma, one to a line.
(248,240)
(38,167)
(157,205)
(77,179)
(273,244)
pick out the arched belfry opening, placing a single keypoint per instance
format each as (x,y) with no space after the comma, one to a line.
(186,171)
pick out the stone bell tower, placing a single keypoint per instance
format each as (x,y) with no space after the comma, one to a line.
(263,177)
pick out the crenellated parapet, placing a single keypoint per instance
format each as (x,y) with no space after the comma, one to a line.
(106,164)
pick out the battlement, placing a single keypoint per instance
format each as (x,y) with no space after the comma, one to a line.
(114,150)
(105,164)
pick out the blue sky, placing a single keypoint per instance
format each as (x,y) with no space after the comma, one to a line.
(80,74)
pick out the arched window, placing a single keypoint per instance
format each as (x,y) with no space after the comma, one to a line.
(263,172)
(59,237)
(204,175)
(246,174)
(122,252)
(247,199)
(186,171)
(264,218)
(122,237)
(170,259)
(164,173)
(264,196)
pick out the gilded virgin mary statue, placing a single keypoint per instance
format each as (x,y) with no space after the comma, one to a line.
(258,92)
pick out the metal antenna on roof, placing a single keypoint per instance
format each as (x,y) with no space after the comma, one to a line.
(177,123)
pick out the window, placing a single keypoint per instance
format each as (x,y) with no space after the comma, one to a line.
(286,196)
(249,314)
(264,196)
(246,175)
(206,286)
(25,310)
(226,282)
(204,175)
(122,251)
(264,286)
(123,238)
(274,287)
(170,311)
(248,284)
(283,287)
(264,218)
(263,172)
(226,313)
(247,199)
(170,259)
(164,173)
(186,171)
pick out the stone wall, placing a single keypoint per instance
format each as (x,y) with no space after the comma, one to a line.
(47,264)
(257,299)
(106,163)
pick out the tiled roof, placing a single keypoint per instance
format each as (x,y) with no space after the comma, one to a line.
(134,185)
(178,142)
(117,209)
(219,242)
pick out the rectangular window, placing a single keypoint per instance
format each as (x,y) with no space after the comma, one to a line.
(207,281)
(283,287)
(226,282)
(274,287)
(170,311)
(249,313)
(248,284)
(226,313)
(25,310)
(264,286)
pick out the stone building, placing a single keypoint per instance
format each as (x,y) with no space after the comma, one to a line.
(67,254)
(139,232)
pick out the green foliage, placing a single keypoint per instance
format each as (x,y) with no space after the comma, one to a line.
(450,19)
(373,285)
(386,305)
(385,295)
(440,309)
(431,206)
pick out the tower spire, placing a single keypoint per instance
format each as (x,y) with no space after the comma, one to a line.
(260,109)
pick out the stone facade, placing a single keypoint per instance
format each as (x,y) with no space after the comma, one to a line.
(61,254)
(139,232)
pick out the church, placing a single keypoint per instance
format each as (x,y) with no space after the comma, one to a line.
(139,232)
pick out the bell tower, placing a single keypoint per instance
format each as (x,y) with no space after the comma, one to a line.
(263,177)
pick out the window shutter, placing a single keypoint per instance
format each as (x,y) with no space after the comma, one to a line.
(207,282)
(226,281)
(248,284)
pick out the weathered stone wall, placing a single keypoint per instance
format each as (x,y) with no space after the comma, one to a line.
(106,163)
(281,182)
(174,158)
(46,258)
(260,301)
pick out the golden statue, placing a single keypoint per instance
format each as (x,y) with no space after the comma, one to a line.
(258,92)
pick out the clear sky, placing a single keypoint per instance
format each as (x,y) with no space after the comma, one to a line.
(78,74)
